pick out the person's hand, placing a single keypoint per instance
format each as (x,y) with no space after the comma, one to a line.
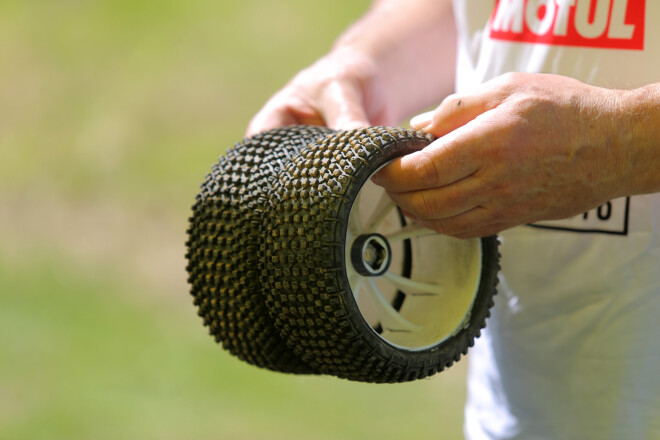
(342,91)
(372,73)
(522,148)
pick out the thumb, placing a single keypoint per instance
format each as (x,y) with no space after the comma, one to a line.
(342,106)
(454,112)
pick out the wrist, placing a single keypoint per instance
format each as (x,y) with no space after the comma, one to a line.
(637,137)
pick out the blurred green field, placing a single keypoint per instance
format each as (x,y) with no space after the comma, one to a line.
(111,113)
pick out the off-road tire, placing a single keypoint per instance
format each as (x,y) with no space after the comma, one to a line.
(271,260)
(223,247)
(304,270)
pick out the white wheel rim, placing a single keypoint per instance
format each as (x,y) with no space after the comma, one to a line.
(440,289)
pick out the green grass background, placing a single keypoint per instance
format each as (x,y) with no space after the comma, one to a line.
(111,113)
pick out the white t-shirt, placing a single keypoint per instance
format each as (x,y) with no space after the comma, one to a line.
(572,350)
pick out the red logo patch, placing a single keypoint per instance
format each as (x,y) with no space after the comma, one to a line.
(611,24)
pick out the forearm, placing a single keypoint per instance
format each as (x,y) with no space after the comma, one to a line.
(412,43)
(638,139)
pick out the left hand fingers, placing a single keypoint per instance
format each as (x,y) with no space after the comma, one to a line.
(454,112)
(441,203)
(472,224)
(458,109)
(446,160)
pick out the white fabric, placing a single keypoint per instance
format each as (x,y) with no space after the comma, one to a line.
(572,350)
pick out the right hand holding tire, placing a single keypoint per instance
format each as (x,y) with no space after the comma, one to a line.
(341,90)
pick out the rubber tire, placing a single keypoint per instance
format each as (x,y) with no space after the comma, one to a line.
(304,268)
(223,245)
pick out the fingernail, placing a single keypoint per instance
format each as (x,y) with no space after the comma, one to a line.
(422,121)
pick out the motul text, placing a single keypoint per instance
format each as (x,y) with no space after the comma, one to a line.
(613,24)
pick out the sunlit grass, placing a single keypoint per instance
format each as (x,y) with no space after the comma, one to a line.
(117,96)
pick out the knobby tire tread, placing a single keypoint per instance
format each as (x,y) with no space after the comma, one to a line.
(223,247)
(266,256)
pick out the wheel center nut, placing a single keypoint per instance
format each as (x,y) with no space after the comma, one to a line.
(371,255)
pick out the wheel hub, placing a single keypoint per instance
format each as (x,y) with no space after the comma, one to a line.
(371,255)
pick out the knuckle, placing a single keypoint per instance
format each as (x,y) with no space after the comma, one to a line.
(466,226)
(511,78)
(483,232)
(452,101)
(461,227)
(445,227)
(502,189)
(421,206)
(497,215)
(425,170)
(439,228)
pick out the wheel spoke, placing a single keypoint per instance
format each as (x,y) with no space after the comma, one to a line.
(411,231)
(412,287)
(390,318)
(383,207)
(356,283)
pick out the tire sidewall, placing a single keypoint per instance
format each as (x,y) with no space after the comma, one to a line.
(443,353)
